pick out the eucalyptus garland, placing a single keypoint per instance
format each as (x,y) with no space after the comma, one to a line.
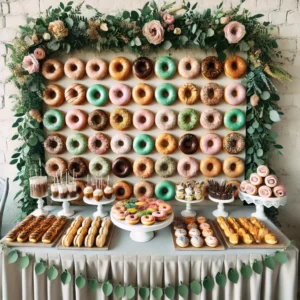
(142,31)
(119,290)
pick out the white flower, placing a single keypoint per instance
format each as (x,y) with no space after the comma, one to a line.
(103,27)
(46,36)
(177,31)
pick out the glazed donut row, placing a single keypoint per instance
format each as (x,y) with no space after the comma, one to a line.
(144,167)
(121,143)
(144,119)
(120,68)
(120,94)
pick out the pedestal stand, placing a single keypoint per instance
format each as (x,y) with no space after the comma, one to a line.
(220,212)
(100,212)
(40,211)
(66,211)
(188,212)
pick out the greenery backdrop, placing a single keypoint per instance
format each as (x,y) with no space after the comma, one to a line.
(143,31)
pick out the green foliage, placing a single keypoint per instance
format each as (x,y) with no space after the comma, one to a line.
(119,30)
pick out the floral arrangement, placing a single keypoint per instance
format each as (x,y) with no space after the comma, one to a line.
(146,30)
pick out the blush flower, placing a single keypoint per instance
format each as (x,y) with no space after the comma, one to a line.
(168,19)
(31,64)
(39,53)
(154,32)
(234,32)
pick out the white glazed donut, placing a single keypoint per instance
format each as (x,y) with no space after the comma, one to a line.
(121,143)
(165,119)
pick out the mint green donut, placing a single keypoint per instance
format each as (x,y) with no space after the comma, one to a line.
(54,120)
(165,190)
(143,144)
(188,119)
(93,92)
(165,67)
(165,94)
(99,167)
(234,119)
(77,143)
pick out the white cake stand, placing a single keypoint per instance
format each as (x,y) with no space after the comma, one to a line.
(100,212)
(260,202)
(66,211)
(188,212)
(220,212)
(142,233)
(40,211)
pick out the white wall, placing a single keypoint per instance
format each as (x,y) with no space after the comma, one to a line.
(284,13)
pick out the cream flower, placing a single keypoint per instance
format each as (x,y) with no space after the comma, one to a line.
(177,31)
(58,29)
(234,32)
(154,32)
(46,36)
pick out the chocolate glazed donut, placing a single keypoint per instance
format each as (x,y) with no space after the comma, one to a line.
(98,119)
(188,144)
(78,167)
(142,67)
(122,167)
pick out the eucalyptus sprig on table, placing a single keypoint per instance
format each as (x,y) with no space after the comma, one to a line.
(124,30)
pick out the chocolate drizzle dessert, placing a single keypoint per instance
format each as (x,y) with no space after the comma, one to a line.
(38,186)
(220,191)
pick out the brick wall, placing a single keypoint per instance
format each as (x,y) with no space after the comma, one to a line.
(284,13)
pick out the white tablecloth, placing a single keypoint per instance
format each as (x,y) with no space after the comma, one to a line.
(151,264)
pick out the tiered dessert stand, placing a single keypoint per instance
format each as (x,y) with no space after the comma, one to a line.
(260,202)
(66,211)
(220,212)
(188,212)
(100,212)
(142,233)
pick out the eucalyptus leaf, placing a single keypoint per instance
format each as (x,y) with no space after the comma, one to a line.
(80,281)
(183,39)
(52,273)
(167,45)
(255,124)
(126,14)
(157,292)
(130,292)
(194,28)
(137,42)
(144,292)
(24,262)
(246,271)
(269,262)
(250,130)
(233,275)
(134,15)
(208,283)
(196,287)
(65,277)
(12,256)
(170,292)
(183,290)
(274,116)
(119,291)
(221,279)
(107,288)
(210,32)
(257,267)
(93,285)
(69,22)
(280,257)
(265,95)
(260,152)
(40,268)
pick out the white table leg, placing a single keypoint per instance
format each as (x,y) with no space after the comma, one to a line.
(100,212)
(188,212)
(259,213)
(66,211)
(40,211)
(141,237)
(220,212)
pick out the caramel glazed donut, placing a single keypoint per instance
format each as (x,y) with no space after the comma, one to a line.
(143,188)
(122,190)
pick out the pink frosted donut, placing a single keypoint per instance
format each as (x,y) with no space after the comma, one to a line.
(159,202)
(143,119)
(235,93)
(188,167)
(211,144)
(211,119)
(166,119)
(76,119)
(120,94)
(96,68)
(204,226)
(98,143)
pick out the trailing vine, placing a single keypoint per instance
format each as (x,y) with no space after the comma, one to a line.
(151,28)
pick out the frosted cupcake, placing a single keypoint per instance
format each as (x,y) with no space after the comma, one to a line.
(88,192)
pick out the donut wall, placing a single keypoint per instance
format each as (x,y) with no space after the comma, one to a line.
(180,142)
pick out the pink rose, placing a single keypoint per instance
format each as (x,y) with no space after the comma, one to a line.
(154,32)
(31,64)
(39,53)
(168,19)
(234,32)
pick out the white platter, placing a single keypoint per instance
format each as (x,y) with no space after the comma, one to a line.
(142,233)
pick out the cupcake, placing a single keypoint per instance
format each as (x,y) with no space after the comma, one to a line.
(198,195)
(88,192)
(108,192)
(97,194)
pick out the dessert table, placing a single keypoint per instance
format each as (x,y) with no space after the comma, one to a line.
(154,263)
